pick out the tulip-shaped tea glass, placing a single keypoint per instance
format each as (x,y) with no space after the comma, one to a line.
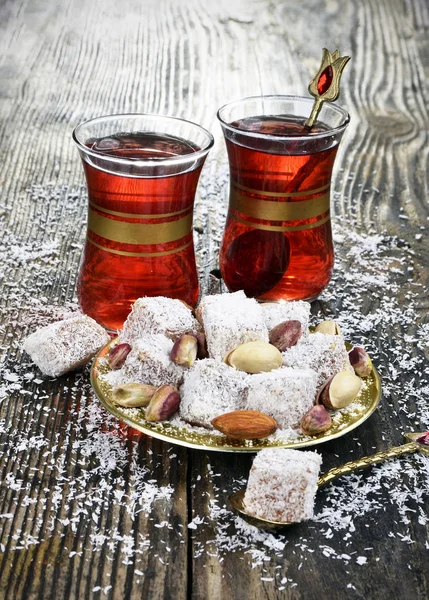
(277,243)
(142,172)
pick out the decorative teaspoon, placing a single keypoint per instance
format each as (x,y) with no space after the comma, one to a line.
(417,442)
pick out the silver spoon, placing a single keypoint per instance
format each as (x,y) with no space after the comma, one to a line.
(417,442)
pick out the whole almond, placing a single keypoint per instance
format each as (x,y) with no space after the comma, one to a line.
(245,424)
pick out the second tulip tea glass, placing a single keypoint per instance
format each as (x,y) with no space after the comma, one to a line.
(142,172)
(277,243)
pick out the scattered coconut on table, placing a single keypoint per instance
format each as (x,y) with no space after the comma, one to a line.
(95,466)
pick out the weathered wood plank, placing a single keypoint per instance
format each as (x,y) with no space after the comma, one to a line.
(382,166)
(71,532)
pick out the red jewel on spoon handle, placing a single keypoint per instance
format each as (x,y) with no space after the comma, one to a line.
(424,439)
(325,87)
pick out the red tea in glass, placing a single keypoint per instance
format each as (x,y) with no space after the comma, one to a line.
(277,243)
(142,172)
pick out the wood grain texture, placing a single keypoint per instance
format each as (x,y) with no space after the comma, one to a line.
(70,523)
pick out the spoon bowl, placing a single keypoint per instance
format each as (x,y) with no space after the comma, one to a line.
(417,442)
(237,502)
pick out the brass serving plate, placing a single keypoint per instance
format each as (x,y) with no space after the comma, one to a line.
(344,421)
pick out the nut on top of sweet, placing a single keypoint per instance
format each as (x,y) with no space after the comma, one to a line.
(328,327)
(278,312)
(340,390)
(277,381)
(148,362)
(185,349)
(286,334)
(254,357)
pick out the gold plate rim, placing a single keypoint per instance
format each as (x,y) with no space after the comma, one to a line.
(206,441)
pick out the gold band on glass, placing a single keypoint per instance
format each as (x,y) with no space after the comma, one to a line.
(138,233)
(137,216)
(279,211)
(139,254)
(280,228)
(324,188)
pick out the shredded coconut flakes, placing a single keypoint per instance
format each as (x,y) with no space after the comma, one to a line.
(108,469)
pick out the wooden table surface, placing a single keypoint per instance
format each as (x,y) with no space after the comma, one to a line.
(92,509)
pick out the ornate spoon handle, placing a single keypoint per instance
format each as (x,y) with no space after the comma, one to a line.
(366,461)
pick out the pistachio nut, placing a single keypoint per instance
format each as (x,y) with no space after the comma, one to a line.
(254,357)
(360,361)
(340,390)
(117,356)
(329,327)
(132,395)
(286,334)
(202,345)
(316,420)
(184,351)
(199,315)
(164,403)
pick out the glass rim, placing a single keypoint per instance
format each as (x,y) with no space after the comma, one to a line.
(269,136)
(173,160)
